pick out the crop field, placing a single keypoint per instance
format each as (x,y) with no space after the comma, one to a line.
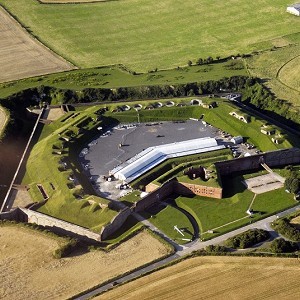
(280,70)
(28,270)
(216,278)
(23,56)
(149,34)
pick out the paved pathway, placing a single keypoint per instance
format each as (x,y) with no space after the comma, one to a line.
(189,248)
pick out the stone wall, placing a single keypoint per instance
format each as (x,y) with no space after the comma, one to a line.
(183,188)
(115,223)
(59,226)
(272,159)
(151,187)
(157,195)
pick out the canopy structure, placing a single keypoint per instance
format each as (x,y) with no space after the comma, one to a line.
(151,157)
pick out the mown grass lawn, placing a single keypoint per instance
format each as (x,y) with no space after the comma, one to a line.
(273,201)
(167,218)
(148,34)
(212,213)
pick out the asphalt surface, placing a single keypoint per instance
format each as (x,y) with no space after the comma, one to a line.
(105,153)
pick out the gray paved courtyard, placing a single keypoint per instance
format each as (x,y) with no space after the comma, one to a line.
(105,153)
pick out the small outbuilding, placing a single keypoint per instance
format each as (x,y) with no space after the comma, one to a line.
(294,9)
(237,139)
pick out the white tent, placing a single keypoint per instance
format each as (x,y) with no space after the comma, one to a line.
(151,157)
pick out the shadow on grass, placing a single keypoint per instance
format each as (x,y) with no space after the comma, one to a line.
(232,186)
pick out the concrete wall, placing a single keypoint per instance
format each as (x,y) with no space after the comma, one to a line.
(272,159)
(183,188)
(115,223)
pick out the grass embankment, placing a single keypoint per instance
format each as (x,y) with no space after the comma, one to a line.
(214,213)
(219,117)
(44,167)
(89,35)
(165,220)
(118,76)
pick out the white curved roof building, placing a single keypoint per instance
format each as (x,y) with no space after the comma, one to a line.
(151,157)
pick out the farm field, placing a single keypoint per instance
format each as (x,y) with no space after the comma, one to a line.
(23,56)
(144,35)
(216,278)
(280,70)
(28,270)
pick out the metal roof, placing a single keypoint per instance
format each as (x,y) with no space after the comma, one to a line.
(151,157)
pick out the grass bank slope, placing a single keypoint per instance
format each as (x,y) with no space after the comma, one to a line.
(147,34)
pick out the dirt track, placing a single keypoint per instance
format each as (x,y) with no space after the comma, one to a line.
(21,55)
(216,278)
(28,271)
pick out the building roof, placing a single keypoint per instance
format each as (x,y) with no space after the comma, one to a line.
(151,157)
(295,6)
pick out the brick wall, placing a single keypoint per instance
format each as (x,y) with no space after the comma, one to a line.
(183,188)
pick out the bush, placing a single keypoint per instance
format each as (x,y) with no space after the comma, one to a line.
(248,238)
(216,249)
(65,249)
(284,227)
(282,246)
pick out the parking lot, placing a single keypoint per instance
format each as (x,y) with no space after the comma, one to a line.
(118,144)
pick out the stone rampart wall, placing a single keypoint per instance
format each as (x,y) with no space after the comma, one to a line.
(115,223)
(272,159)
(59,226)
(157,195)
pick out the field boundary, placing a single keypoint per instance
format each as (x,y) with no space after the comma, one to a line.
(281,68)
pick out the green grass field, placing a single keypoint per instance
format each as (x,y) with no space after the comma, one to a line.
(43,168)
(147,34)
(280,70)
(165,220)
(230,212)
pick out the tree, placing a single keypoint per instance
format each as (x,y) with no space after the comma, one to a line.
(294,188)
